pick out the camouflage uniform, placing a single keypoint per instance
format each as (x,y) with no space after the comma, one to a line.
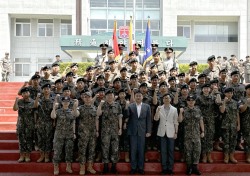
(34,91)
(44,125)
(192,141)
(109,131)
(64,135)
(25,125)
(87,132)
(229,126)
(207,106)
(44,81)
(6,68)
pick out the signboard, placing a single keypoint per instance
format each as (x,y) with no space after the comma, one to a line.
(123,32)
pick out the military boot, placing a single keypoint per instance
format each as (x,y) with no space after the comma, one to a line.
(189,170)
(195,170)
(105,168)
(41,157)
(27,157)
(68,168)
(217,146)
(226,158)
(113,168)
(204,158)
(232,159)
(90,168)
(127,160)
(209,157)
(46,157)
(22,157)
(82,169)
(248,157)
(56,169)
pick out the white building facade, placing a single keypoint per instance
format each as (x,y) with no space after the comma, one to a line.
(31,30)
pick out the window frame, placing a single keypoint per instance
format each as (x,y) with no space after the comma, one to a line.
(22,23)
(53,26)
(22,63)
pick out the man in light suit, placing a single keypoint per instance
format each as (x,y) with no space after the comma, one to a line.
(167,130)
(139,127)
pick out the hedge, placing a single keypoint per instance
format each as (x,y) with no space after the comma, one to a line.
(83,65)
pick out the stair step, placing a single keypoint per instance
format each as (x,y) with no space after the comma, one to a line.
(7,103)
(8,126)
(11,84)
(8,117)
(8,144)
(7,110)
(8,135)
(9,96)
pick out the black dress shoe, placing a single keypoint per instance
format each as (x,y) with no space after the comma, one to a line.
(170,172)
(189,170)
(164,171)
(140,171)
(132,172)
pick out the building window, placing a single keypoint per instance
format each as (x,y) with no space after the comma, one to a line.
(184,29)
(216,32)
(66,27)
(22,66)
(45,27)
(23,27)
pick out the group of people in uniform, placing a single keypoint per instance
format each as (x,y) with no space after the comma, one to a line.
(125,105)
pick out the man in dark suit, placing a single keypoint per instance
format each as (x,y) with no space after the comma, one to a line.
(139,127)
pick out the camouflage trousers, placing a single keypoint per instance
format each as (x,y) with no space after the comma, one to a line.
(246,134)
(25,137)
(5,76)
(58,145)
(45,137)
(110,147)
(86,146)
(230,139)
(192,150)
(207,140)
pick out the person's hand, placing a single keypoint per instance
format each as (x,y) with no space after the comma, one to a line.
(26,83)
(120,132)
(102,102)
(75,103)
(38,95)
(175,135)
(97,134)
(226,100)
(202,134)
(17,98)
(125,126)
(248,101)
(74,136)
(159,108)
(181,110)
(238,128)
(148,134)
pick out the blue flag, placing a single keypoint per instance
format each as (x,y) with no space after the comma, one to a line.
(147,46)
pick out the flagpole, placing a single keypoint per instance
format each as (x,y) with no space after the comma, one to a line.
(134,17)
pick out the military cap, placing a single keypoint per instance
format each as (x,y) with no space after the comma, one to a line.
(162,72)
(133,60)
(233,55)
(133,76)
(6,53)
(136,91)
(122,90)
(214,81)
(166,94)
(103,45)
(163,83)
(152,65)
(155,45)
(229,89)
(46,85)
(224,70)
(121,46)
(142,72)
(101,89)
(89,68)
(224,57)
(181,74)
(57,55)
(88,93)
(143,84)
(155,77)
(69,74)
(157,53)
(117,79)
(236,72)
(59,81)
(191,98)
(66,88)
(185,86)
(205,85)
(247,86)
(24,89)
(66,98)
(111,51)
(45,67)
(193,63)
(73,64)
(100,77)
(171,78)
(111,61)
(35,77)
(137,45)
(123,69)
(131,53)
(55,64)
(109,91)
(247,57)
(173,68)
(211,58)
(81,79)
(168,49)
(192,80)
(107,68)
(202,75)
(97,66)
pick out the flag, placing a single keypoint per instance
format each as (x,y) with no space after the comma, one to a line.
(131,40)
(115,42)
(147,45)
